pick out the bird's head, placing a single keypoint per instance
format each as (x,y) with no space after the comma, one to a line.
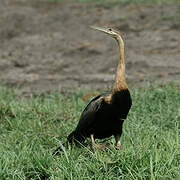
(113,33)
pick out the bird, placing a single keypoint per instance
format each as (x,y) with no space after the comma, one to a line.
(104,115)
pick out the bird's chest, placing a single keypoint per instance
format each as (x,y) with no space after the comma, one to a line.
(121,101)
(108,114)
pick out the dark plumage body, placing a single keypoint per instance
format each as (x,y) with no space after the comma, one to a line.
(103,119)
(105,114)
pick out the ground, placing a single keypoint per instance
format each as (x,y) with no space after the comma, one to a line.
(48,45)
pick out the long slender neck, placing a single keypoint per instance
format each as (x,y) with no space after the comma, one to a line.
(120,79)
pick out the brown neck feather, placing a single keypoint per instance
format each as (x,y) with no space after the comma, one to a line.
(120,79)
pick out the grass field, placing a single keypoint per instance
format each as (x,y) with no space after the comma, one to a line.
(127,1)
(31,128)
(133,1)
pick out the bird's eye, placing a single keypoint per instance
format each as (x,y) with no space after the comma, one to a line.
(110,29)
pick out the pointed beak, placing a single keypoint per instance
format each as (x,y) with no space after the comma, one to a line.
(99,29)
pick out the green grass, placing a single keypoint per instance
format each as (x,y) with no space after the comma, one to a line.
(32,128)
(115,2)
(132,1)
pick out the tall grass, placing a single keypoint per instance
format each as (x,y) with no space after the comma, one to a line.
(126,1)
(32,128)
(133,1)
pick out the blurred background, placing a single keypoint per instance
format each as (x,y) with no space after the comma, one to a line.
(48,45)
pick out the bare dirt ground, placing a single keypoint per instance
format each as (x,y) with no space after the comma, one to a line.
(47,45)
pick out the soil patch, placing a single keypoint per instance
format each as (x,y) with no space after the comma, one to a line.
(48,45)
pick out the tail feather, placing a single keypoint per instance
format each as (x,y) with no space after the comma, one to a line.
(74,137)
